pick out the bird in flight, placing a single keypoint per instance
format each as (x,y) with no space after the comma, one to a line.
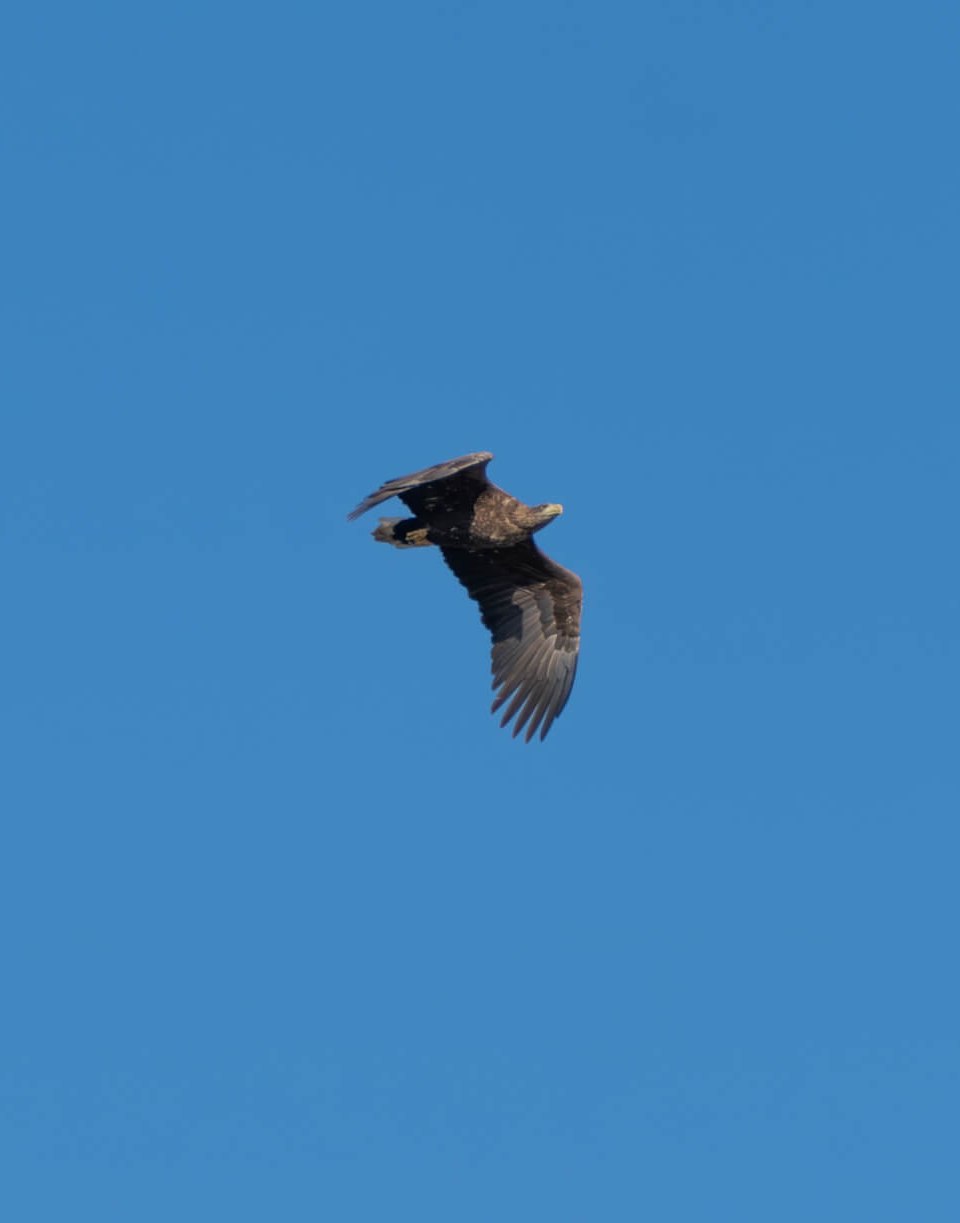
(530,604)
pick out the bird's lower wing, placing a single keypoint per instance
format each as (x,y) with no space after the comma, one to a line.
(532,608)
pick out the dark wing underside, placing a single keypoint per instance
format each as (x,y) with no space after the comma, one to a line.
(450,487)
(531,606)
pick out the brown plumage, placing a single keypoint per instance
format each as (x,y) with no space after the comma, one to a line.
(530,604)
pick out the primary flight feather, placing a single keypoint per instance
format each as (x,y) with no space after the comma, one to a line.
(530,604)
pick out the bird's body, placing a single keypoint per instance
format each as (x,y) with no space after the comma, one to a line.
(530,604)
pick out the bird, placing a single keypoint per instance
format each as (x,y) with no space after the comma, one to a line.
(530,604)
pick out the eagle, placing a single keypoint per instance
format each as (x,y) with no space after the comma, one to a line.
(530,604)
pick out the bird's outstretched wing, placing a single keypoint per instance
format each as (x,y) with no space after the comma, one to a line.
(531,605)
(451,486)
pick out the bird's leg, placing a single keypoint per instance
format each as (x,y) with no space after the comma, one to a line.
(402,533)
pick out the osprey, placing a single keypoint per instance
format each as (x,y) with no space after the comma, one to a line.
(530,604)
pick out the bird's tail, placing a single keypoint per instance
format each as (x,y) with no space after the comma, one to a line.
(401,532)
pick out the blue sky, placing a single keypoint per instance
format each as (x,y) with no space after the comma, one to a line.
(291,929)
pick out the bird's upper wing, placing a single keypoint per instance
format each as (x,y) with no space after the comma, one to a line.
(454,485)
(531,605)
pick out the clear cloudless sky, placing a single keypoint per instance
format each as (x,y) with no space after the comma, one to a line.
(290,929)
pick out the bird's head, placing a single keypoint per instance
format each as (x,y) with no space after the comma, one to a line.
(542,514)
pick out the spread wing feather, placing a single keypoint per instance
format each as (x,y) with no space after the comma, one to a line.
(451,486)
(531,605)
